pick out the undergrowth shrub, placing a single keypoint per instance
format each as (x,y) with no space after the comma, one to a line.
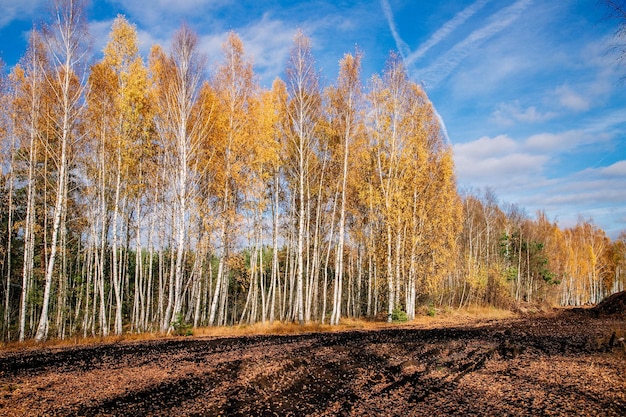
(182,328)
(399,316)
(431,311)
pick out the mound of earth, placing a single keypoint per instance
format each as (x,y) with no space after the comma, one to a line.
(612,305)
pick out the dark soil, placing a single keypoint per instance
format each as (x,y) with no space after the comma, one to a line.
(560,363)
(612,305)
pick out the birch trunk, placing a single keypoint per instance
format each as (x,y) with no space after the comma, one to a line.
(71,30)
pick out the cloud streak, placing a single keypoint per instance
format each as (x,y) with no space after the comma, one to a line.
(23,9)
(508,114)
(443,32)
(403,48)
(448,62)
(268,41)
(519,171)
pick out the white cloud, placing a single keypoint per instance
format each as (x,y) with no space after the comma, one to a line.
(608,121)
(99,32)
(571,100)
(560,142)
(508,114)
(593,192)
(616,170)
(22,10)
(268,41)
(498,162)
(158,12)
(596,193)
(515,169)
(486,147)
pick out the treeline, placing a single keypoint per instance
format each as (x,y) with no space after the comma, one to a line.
(504,256)
(149,196)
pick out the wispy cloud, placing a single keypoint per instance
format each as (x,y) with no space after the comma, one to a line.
(403,48)
(268,41)
(159,19)
(445,64)
(571,100)
(509,114)
(618,170)
(443,32)
(529,67)
(521,172)
(23,10)
(499,162)
(563,142)
(577,195)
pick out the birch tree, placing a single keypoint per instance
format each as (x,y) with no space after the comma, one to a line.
(28,103)
(101,121)
(181,127)
(345,104)
(235,90)
(9,139)
(65,40)
(119,114)
(388,110)
(304,111)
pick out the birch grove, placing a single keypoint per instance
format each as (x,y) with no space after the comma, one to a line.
(175,191)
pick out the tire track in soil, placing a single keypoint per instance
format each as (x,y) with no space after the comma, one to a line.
(162,398)
(398,371)
(86,358)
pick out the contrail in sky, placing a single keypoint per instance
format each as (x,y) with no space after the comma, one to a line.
(445,30)
(446,63)
(403,48)
(442,125)
(451,59)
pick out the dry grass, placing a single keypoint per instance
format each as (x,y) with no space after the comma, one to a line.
(486,313)
(441,318)
(31,344)
(446,317)
(282,328)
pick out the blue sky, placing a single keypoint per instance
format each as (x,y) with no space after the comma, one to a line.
(531,99)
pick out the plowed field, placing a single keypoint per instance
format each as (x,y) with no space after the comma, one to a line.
(563,363)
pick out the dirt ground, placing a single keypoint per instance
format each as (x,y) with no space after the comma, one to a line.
(558,363)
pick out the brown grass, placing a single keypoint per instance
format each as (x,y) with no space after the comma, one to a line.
(442,318)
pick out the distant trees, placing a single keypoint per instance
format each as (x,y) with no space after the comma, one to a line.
(154,198)
(531,260)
